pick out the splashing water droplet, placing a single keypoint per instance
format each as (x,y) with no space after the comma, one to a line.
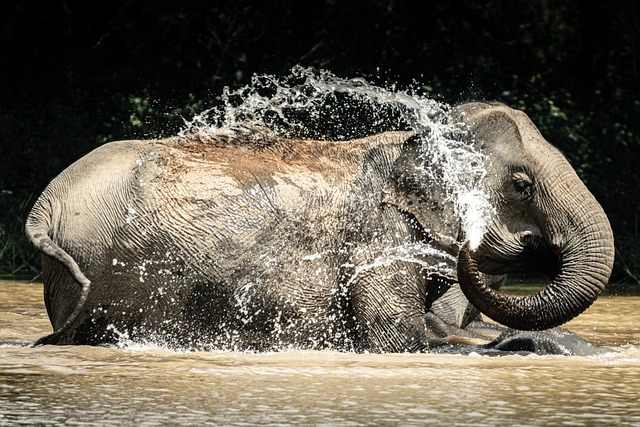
(314,104)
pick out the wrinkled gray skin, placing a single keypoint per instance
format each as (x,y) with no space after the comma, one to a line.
(254,242)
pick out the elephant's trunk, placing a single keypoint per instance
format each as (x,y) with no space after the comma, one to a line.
(585,267)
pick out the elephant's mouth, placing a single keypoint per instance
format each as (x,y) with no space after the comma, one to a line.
(527,257)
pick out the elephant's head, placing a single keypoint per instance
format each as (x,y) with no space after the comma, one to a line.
(545,220)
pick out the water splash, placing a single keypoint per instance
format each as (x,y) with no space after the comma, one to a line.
(314,104)
(462,170)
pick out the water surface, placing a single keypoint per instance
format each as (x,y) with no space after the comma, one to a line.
(147,385)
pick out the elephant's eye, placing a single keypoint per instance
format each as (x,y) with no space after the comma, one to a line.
(523,184)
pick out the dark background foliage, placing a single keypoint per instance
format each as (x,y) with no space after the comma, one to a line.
(76,74)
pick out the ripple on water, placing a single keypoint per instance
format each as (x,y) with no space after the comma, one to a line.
(151,385)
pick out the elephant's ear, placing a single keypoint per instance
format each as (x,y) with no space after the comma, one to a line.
(417,189)
(492,128)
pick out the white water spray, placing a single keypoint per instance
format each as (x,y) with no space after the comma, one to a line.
(319,105)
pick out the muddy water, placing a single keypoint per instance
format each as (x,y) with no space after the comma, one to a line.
(154,386)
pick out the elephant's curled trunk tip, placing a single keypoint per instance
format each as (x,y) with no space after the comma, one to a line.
(568,295)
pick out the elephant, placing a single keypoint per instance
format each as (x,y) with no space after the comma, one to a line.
(247,240)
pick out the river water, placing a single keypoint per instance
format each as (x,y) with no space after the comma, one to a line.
(149,386)
(145,385)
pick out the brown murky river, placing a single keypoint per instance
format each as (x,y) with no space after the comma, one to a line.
(151,386)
